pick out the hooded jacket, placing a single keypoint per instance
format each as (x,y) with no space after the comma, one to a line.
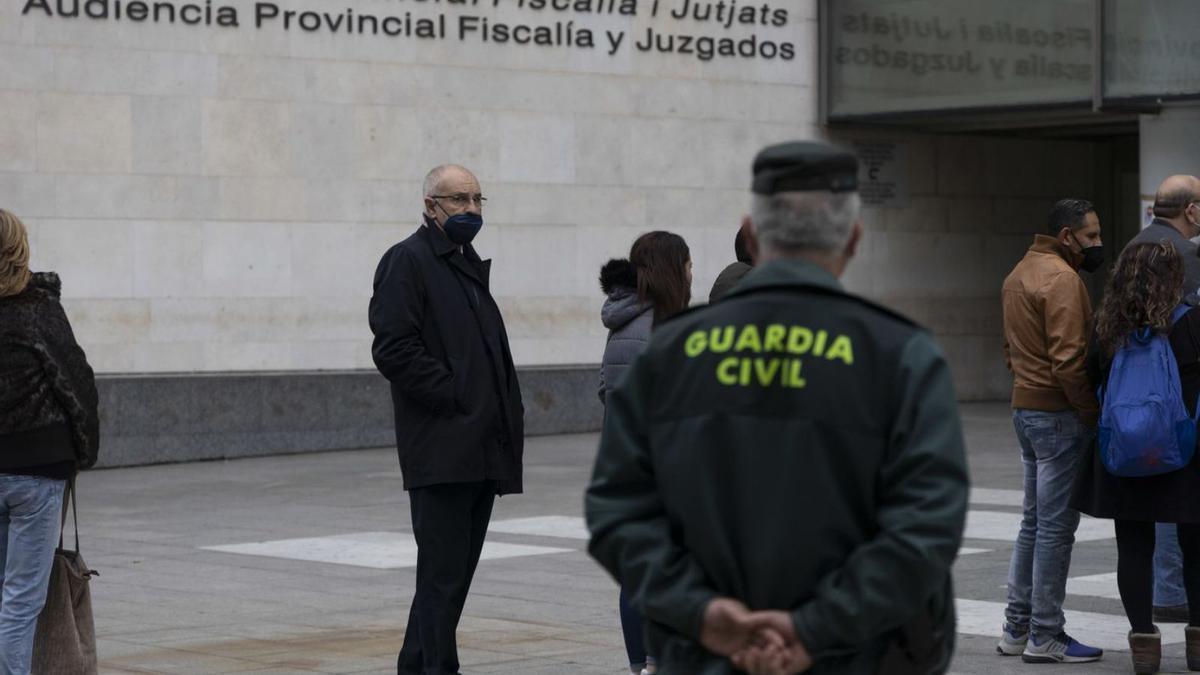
(628,320)
(48,399)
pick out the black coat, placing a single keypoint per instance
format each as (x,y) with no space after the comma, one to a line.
(1168,497)
(727,279)
(440,341)
(48,400)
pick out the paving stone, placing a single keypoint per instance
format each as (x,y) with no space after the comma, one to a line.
(165,605)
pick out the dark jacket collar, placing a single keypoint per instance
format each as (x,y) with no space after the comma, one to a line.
(786,273)
(468,262)
(46,283)
(1173,234)
(442,246)
(1044,243)
(804,275)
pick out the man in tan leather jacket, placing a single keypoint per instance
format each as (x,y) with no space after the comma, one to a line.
(1047,324)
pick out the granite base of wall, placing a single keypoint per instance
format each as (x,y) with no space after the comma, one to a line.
(154,419)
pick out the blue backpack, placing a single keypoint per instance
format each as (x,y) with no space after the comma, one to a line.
(1145,430)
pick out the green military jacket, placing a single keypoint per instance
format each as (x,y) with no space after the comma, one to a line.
(797,448)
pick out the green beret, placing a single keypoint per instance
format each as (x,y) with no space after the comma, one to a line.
(804,166)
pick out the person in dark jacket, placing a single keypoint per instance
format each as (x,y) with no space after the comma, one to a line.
(653,283)
(440,342)
(49,429)
(772,464)
(1145,288)
(1176,220)
(737,269)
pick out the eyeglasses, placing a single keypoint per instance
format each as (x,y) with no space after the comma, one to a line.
(463,200)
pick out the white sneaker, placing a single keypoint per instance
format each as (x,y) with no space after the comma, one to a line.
(1011,642)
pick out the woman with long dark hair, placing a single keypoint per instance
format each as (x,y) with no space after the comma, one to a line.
(1143,292)
(652,285)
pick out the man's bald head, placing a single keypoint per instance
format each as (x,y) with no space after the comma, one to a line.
(1174,195)
(449,190)
(439,174)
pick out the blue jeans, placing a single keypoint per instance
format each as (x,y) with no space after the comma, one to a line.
(1051,445)
(1168,567)
(30,512)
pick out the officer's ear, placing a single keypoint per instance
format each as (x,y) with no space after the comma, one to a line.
(856,233)
(752,240)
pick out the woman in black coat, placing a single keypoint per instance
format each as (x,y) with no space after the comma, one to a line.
(1144,290)
(48,430)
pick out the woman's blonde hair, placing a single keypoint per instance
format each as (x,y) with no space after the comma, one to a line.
(14,255)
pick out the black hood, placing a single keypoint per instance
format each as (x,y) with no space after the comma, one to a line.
(617,273)
(47,282)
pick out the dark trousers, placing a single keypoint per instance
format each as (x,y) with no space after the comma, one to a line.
(449,523)
(1135,571)
(633,630)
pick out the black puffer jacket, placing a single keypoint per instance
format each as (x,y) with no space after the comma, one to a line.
(48,400)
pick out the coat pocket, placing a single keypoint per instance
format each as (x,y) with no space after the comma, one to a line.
(459,387)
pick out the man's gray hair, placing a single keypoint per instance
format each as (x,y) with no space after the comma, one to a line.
(805,221)
(434,177)
(429,187)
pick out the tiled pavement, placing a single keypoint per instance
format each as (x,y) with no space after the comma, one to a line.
(304,564)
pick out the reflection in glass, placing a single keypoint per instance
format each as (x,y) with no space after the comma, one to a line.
(916,55)
(1151,48)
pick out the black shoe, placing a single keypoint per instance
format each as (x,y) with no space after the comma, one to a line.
(1172,614)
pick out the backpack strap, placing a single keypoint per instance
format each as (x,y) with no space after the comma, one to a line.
(1179,312)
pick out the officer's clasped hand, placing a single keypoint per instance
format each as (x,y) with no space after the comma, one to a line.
(760,643)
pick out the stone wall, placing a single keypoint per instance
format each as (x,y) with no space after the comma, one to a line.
(216,199)
(975,204)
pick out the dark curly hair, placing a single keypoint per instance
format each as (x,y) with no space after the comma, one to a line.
(1144,288)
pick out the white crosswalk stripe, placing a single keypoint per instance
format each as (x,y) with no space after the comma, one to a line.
(376,550)
(563,527)
(1003,526)
(994,497)
(392,550)
(1095,585)
(1106,631)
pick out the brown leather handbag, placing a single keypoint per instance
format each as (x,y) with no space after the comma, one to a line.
(65,642)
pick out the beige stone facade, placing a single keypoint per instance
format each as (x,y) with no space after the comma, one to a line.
(216,198)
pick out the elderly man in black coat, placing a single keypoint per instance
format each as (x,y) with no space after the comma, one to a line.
(440,341)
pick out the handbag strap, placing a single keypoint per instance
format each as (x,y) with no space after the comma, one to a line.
(68,498)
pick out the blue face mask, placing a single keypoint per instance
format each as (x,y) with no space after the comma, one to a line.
(462,228)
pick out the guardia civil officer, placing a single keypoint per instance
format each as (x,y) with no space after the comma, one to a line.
(781,483)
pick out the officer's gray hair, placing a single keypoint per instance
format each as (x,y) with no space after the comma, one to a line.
(805,221)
